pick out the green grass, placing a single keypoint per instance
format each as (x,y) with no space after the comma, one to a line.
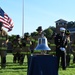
(13,68)
(16,69)
(69,70)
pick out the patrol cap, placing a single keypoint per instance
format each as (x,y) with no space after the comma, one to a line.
(39,28)
(62,29)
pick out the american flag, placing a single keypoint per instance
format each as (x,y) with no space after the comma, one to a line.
(6,20)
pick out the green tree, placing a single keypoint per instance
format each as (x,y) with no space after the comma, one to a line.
(48,32)
(70,24)
(33,34)
(53,28)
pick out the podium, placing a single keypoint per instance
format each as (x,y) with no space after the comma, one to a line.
(42,65)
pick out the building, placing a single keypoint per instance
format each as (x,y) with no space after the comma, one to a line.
(64,23)
(60,23)
(72,31)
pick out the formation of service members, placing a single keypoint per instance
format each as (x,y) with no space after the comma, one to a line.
(21,47)
(3,45)
(25,46)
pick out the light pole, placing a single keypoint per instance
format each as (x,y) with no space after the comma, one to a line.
(22,18)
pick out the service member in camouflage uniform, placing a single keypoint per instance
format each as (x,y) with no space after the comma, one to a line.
(3,46)
(25,47)
(16,49)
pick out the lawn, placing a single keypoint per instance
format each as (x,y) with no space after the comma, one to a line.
(16,69)
(70,70)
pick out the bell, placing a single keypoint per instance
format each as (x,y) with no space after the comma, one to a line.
(42,44)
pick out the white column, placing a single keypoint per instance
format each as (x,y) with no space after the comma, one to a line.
(22,18)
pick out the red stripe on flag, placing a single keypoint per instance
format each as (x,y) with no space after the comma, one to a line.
(7,22)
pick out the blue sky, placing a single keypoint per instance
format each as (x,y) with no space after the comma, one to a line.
(38,13)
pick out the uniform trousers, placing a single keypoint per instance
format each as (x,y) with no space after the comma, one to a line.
(62,55)
(3,54)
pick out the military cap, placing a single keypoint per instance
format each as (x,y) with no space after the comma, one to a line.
(39,28)
(62,29)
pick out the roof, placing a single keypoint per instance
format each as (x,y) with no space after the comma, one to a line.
(61,20)
(72,30)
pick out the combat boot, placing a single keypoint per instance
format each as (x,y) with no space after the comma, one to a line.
(3,62)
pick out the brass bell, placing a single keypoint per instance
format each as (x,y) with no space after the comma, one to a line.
(42,44)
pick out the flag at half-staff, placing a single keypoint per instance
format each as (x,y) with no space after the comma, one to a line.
(6,20)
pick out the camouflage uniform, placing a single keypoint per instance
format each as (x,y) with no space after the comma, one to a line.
(3,47)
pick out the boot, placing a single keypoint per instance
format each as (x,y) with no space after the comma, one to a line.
(3,62)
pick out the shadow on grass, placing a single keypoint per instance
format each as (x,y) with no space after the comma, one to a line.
(72,65)
(12,71)
(14,67)
(15,64)
(17,68)
(8,69)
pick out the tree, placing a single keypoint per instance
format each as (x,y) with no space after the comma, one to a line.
(33,34)
(71,24)
(53,28)
(48,32)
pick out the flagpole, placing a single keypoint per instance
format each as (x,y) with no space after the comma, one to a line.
(22,18)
